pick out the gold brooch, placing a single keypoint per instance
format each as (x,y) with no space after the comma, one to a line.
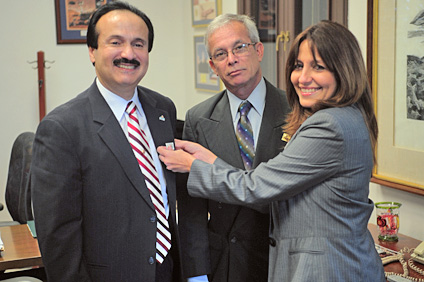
(286,137)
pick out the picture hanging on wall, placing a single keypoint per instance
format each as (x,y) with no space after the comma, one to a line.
(72,17)
(266,19)
(396,65)
(205,78)
(204,11)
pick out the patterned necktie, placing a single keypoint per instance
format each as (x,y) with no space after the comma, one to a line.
(244,135)
(140,146)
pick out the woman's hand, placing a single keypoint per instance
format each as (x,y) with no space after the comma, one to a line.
(182,158)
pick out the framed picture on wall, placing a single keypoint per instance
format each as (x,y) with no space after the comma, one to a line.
(72,17)
(204,11)
(205,78)
(266,19)
(264,13)
(396,68)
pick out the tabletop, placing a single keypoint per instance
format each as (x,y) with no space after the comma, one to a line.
(20,248)
(404,241)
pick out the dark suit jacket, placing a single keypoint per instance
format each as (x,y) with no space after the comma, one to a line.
(233,245)
(94,217)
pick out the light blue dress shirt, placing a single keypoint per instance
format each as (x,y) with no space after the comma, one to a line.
(257,99)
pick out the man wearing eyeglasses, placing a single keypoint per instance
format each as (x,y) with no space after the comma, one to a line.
(222,242)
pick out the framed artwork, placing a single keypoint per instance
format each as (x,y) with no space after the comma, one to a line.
(204,11)
(266,19)
(72,17)
(395,58)
(205,78)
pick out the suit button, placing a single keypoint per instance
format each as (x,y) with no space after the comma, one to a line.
(234,239)
(219,205)
(272,242)
(151,260)
(153,218)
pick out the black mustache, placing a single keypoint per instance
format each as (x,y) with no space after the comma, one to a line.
(126,61)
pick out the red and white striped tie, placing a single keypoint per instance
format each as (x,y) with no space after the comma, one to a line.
(140,146)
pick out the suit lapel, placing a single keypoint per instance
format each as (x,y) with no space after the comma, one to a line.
(219,133)
(112,135)
(158,120)
(269,139)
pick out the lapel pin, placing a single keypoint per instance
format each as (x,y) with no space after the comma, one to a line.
(170,146)
(162,118)
(286,137)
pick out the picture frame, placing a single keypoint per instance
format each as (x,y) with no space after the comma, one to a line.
(204,77)
(204,11)
(265,18)
(395,61)
(72,18)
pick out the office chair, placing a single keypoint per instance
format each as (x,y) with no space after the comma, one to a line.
(18,194)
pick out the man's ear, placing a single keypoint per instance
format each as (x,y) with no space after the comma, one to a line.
(213,66)
(91,54)
(259,47)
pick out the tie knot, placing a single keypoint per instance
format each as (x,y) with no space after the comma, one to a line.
(244,108)
(131,108)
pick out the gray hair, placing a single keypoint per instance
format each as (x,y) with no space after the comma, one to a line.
(225,19)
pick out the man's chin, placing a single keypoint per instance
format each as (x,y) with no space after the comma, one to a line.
(130,78)
(237,82)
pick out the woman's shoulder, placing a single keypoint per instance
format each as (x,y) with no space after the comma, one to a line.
(336,111)
(335,119)
(340,114)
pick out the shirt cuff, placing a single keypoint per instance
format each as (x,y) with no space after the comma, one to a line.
(203,278)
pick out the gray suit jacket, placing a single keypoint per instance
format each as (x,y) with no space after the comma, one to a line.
(233,245)
(318,187)
(94,217)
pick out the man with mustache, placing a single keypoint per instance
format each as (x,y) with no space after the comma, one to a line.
(104,207)
(228,242)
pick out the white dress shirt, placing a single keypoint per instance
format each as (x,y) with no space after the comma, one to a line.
(118,105)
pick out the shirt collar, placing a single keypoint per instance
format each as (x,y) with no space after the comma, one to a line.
(256,98)
(116,103)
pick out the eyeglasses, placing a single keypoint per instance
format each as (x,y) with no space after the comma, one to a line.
(240,49)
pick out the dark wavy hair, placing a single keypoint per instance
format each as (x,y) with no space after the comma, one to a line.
(93,35)
(341,53)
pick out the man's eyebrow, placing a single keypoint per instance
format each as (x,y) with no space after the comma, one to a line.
(144,41)
(235,43)
(115,36)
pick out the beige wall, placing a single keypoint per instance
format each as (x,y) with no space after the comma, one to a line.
(29,26)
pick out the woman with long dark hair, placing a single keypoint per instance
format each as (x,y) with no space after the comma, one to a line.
(318,186)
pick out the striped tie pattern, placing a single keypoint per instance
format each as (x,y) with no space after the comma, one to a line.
(244,134)
(140,146)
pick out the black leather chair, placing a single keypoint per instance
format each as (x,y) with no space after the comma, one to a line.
(18,194)
(18,200)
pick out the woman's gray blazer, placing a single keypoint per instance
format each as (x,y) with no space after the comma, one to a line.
(318,189)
